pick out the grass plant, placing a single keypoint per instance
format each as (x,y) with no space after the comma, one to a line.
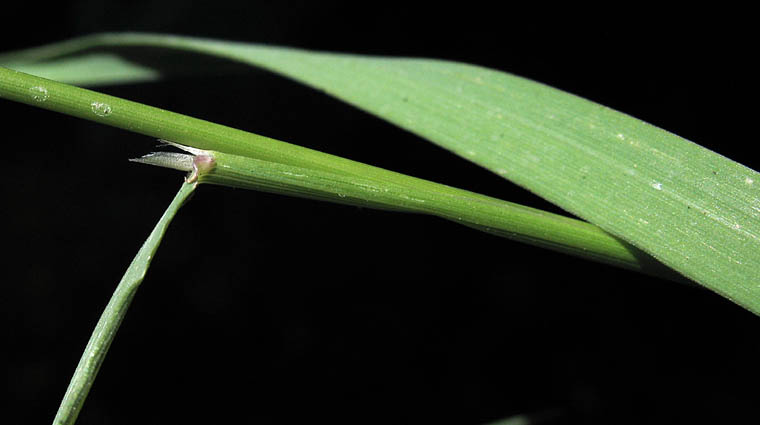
(648,195)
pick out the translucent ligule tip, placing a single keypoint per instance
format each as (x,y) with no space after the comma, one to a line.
(194,151)
(174,160)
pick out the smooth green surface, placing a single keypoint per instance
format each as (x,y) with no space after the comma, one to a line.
(491,215)
(568,235)
(113,315)
(484,213)
(694,210)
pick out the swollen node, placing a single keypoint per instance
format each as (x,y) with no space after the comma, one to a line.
(202,164)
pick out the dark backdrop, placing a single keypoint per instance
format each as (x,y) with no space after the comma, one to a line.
(266,309)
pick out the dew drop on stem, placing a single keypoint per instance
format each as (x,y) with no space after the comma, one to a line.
(39,93)
(101,109)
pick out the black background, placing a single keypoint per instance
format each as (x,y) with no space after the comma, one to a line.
(266,309)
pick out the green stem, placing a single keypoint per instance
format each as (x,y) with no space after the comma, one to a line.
(529,225)
(506,219)
(112,316)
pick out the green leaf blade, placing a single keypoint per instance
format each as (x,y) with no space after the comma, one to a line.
(102,337)
(691,208)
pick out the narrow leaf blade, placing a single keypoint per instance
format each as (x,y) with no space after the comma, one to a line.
(97,347)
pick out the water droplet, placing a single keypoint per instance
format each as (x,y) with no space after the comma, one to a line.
(657,185)
(39,93)
(748,180)
(101,109)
